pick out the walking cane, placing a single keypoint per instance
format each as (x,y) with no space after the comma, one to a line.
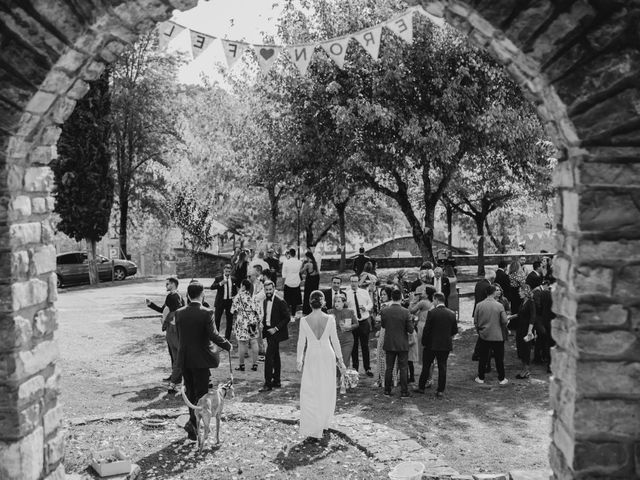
(230,369)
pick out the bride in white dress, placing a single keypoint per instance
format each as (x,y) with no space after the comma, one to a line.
(318,365)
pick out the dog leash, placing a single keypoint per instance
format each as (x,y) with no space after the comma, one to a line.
(230,368)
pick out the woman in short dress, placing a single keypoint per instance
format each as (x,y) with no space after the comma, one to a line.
(385,299)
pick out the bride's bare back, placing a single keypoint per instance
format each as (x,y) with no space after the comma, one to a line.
(317,321)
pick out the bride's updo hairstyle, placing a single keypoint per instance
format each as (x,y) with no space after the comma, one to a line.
(316,299)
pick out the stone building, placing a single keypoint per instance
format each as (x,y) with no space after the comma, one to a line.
(578,60)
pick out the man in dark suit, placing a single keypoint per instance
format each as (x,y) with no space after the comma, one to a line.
(196,331)
(441,284)
(534,279)
(544,314)
(502,278)
(396,320)
(481,290)
(439,329)
(274,330)
(330,293)
(172,302)
(226,288)
(360,261)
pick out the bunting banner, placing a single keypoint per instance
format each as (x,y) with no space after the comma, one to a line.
(267,55)
(370,40)
(233,50)
(402,26)
(168,31)
(336,49)
(300,55)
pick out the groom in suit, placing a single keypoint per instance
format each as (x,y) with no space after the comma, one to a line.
(196,331)
(274,330)
(330,293)
(226,288)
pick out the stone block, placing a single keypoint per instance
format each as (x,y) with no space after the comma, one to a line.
(79,90)
(38,179)
(62,109)
(29,293)
(597,280)
(561,399)
(530,474)
(602,316)
(619,344)
(604,117)
(562,268)
(23,459)
(16,423)
(39,205)
(50,135)
(607,419)
(609,174)
(51,203)
(54,449)
(20,207)
(30,390)
(20,264)
(628,282)
(489,476)
(564,366)
(51,420)
(481,25)
(15,333)
(57,82)
(570,201)
(563,175)
(529,21)
(609,458)
(564,334)
(48,232)
(564,305)
(25,233)
(53,288)
(614,378)
(605,210)
(71,61)
(609,252)
(15,178)
(45,322)
(43,259)
(59,474)
(43,154)
(41,102)
(563,439)
(27,363)
(93,71)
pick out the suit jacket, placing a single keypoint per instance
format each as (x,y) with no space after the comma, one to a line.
(543,303)
(439,329)
(196,331)
(533,279)
(446,287)
(502,279)
(359,262)
(328,297)
(220,289)
(173,301)
(280,318)
(397,324)
(480,292)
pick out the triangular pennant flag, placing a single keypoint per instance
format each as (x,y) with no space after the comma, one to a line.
(267,55)
(336,49)
(301,56)
(199,42)
(233,50)
(168,31)
(370,40)
(402,26)
(539,234)
(436,20)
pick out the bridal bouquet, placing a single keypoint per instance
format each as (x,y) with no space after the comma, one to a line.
(349,379)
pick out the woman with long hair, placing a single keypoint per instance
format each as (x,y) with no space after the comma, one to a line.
(346,321)
(517,278)
(248,311)
(368,281)
(318,353)
(419,306)
(524,330)
(240,269)
(384,300)
(311,275)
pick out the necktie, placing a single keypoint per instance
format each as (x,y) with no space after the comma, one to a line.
(355,297)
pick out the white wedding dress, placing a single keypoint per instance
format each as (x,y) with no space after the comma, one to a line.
(318,385)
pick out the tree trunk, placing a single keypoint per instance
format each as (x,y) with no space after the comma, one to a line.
(341,207)
(94,278)
(422,237)
(274,210)
(449,226)
(480,231)
(124,214)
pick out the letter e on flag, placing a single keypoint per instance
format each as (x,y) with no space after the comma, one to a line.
(199,42)
(402,26)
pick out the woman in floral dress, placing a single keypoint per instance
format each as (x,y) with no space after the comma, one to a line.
(248,312)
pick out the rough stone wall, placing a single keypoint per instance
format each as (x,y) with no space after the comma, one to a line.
(48,51)
(583,58)
(578,60)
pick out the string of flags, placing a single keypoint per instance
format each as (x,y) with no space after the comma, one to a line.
(520,237)
(300,54)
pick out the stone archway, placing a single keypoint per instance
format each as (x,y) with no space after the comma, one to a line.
(579,61)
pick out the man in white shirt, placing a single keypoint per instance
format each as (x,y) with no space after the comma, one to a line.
(359,301)
(291,278)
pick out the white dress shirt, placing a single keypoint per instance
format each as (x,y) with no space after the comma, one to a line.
(364,300)
(267,320)
(291,272)
(437,283)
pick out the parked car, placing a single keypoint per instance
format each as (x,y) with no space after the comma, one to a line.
(73,268)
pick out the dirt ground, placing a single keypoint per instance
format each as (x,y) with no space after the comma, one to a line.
(113,357)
